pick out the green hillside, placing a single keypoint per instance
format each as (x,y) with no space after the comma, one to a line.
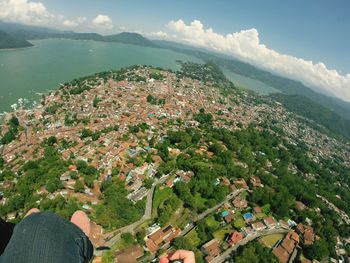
(8,41)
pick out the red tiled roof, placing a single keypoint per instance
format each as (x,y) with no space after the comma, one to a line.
(212,248)
(235,238)
(281,254)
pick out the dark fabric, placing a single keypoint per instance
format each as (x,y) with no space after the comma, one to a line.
(47,238)
(6,230)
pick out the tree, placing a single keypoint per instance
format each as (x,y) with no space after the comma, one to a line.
(2,162)
(148,182)
(319,250)
(51,141)
(79,186)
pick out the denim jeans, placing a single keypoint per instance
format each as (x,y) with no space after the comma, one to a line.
(47,238)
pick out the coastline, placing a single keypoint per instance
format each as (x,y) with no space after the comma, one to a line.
(18,48)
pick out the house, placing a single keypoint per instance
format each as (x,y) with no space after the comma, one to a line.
(211,249)
(281,254)
(258,226)
(257,209)
(229,217)
(226,181)
(247,231)
(170,182)
(300,229)
(129,255)
(240,203)
(286,247)
(235,238)
(185,176)
(270,222)
(284,224)
(72,167)
(161,237)
(309,236)
(255,181)
(240,183)
(307,232)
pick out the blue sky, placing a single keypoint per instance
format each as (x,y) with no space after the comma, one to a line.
(306,40)
(317,29)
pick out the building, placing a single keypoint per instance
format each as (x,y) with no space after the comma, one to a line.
(211,249)
(240,183)
(161,237)
(255,181)
(129,255)
(286,247)
(281,254)
(270,222)
(240,203)
(229,217)
(258,226)
(235,238)
(309,236)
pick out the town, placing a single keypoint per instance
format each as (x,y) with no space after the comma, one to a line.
(164,160)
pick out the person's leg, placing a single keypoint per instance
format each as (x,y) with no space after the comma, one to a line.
(6,230)
(46,237)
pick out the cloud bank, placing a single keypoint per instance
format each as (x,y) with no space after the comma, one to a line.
(103,21)
(75,22)
(25,11)
(246,46)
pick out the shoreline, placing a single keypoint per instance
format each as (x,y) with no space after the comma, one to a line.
(14,49)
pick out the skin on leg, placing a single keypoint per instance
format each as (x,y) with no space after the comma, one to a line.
(32,211)
(81,220)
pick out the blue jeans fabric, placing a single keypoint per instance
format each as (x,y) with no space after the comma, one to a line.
(47,238)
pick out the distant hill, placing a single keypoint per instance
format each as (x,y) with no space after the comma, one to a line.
(285,85)
(130,38)
(8,41)
(34,33)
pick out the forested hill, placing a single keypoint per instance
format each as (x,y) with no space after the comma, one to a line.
(34,33)
(305,107)
(8,41)
(130,38)
(285,85)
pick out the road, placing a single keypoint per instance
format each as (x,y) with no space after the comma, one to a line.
(228,198)
(226,255)
(214,208)
(148,215)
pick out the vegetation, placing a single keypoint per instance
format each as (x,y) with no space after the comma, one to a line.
(116,210)
(254,252)
(8,41)
(320,115)
(12,133)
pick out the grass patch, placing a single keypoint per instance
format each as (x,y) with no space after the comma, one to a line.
(160,195)
(182,218)
(212,223)
(239,222)
(271,240)
(192,236)
(200,201)
(259,216)
(221,234)
(108,256)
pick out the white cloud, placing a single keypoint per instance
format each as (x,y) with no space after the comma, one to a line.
(103,21)
(75,22)
(160,34)
(246,46)
(25,11)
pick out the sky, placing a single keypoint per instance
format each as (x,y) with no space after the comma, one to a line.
(303,40)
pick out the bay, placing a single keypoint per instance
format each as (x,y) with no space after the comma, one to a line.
(26,72)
